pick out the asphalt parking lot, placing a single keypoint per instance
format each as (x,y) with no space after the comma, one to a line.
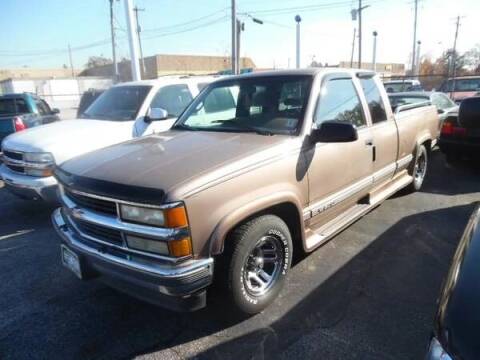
(370,293)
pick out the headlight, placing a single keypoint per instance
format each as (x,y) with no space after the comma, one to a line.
(172,217)
(38,172)
(39,157)
(436,351)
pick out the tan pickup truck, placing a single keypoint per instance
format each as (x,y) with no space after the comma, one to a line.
(258,167)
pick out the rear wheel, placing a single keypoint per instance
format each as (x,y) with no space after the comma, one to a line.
(418,169)
(261,258)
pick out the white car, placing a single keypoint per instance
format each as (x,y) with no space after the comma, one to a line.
(121,113)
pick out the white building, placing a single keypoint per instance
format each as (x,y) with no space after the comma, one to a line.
(62,93)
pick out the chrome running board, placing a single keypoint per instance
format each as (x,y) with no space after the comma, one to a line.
(316,236)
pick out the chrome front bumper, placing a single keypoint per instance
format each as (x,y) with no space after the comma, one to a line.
(29,187)
(177,286)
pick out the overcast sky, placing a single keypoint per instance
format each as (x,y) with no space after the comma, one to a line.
(36,33)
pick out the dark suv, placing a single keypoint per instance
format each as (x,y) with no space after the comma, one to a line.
(21,111)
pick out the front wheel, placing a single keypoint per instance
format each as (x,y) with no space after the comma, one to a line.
(419,168)
(261,258)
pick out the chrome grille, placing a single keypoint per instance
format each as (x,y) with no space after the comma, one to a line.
(13,155)
(92,203)
(99,232)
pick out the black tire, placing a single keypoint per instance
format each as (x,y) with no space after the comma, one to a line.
(246,240)
(418,169)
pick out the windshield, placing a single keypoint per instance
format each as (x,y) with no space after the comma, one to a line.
(394,87)
(120,103)
(265,105)
(462,85)
(396,101)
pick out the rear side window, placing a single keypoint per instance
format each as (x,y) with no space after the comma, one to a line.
(173,98)
(42,107)
(374,99)
(22,106)
(220,99)
(339,101)
(7,106)
(441,101)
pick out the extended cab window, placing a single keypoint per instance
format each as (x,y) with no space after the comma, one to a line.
(173,98)
(374,99)
(7,106)
(265,105)
(339,101)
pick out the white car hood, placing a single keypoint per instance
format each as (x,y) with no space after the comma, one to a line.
(70,138)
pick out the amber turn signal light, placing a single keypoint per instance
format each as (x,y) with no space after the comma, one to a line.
(180,248)
(176,217)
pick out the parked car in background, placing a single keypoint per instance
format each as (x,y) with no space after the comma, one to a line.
(124,111)
(445,106)
(293,157)
(395,86)
(460,88)
(455,334)
(460,133)
(88,97)
(23,111)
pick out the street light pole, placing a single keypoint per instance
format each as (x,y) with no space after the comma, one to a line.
(132,41)
(298,19)
(374,60)
(234,38)
(414,38)
(114,57)
(139,29)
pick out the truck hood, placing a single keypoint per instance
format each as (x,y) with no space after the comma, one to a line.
(70,138)
(178,162)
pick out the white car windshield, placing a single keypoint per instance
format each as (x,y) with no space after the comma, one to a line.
(120,103)
(264,104)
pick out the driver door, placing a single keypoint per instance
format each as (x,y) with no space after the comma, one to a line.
(340,174)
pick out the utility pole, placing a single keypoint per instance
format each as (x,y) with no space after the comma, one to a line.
(374,59)
(454,55)
(114,57)
(414,37)
(298,19)
(359,34)
(418,65)
(132,40)
(358,12)
(71,61)
(240,28)
(353,47)
(234,38)
(139,29)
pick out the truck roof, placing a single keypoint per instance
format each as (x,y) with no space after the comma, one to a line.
(169,79)
(292,72)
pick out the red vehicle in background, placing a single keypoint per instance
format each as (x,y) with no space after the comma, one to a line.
(461,87)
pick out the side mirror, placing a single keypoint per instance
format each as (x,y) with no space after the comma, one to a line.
(440,111)
(155,114)
(55,111)
(469,112)
(335,132)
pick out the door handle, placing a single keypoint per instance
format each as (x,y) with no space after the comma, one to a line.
(369,142)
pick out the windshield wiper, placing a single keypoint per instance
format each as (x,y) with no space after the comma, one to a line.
(183,127)
(244,126)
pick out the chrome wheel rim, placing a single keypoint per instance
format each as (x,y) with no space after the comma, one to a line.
(263,265)
(420,167)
